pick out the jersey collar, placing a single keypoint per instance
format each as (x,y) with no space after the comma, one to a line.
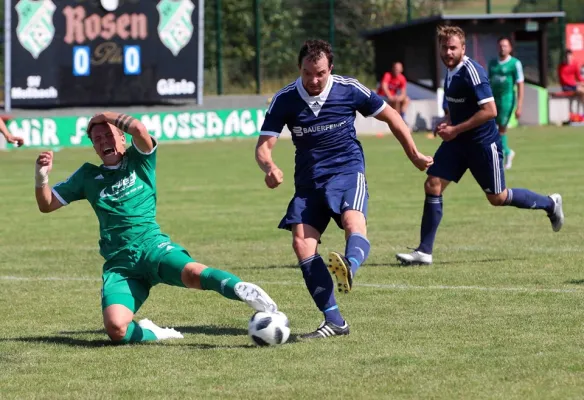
(505,60)
(320,98)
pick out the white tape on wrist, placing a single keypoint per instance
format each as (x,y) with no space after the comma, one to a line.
(41,176)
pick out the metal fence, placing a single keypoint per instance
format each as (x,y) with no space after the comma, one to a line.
(251,46)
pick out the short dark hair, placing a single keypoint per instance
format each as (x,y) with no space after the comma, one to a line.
(313,50)
(102,123)
(507,38)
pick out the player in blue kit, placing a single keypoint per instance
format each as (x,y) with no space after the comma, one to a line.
(319,109)
(471,141)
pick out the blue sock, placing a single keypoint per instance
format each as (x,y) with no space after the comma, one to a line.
(357,251)
(403,115)
(320,286)
(430,221)
(523,198)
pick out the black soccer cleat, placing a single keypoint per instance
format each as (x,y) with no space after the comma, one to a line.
(325,330)
(340,267)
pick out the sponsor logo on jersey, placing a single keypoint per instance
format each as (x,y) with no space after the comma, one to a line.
(299,130)
(121,188)
(455,100)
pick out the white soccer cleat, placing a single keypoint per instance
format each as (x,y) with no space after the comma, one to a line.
(255,297)
(557,216)
(414,258)
(509,161)
(160,333)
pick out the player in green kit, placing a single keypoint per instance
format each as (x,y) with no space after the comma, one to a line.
(122,192)
(504,73)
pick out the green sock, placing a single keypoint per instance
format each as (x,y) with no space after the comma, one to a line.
(506,149)
(219,281)
(137,334)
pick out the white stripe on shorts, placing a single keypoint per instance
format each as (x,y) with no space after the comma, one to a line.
(496,169)
(360,193)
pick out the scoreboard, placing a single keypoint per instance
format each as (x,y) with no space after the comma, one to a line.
(75,53)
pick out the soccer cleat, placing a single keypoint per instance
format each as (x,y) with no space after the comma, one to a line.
(557,216)
(327,329)
(160,333)
(255,297)
(340,267)
(509,161)
(414,258)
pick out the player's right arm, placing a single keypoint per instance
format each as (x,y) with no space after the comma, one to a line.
(45,198)
(51,199)
(274,122)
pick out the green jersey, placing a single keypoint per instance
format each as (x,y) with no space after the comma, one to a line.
(504,75)
(122,196)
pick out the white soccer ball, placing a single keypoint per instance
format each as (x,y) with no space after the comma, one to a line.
(268,329)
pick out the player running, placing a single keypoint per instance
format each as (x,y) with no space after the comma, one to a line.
(471,141)
(122,192)
(319,109)
(505,73)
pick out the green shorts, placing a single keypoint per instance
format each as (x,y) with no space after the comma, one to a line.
(129,275)
(505,107)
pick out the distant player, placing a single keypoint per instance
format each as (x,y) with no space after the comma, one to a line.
(505,73)
(122,192)
(471,141)
(319,109)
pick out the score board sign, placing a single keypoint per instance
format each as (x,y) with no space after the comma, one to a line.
(75,53)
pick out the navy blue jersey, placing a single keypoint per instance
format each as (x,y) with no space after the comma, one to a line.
(466,88)
(322,127)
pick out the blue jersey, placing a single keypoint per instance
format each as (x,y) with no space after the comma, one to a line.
(466,88)
(322,127)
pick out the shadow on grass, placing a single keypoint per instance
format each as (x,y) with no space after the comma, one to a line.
(575,282)
(454,262)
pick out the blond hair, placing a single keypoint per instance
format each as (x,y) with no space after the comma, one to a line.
(445,32)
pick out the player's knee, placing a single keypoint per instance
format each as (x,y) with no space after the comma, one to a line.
(354,222)
(191,275)
(116,330)
(433,186)
(497,200)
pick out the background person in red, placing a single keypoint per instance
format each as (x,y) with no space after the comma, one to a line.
(569,75)
(393,87)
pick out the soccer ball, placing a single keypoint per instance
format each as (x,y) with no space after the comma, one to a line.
(267,329)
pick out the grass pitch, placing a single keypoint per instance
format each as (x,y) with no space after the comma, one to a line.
(498,316)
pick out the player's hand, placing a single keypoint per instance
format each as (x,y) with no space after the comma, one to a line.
(518,113)
(45,160)
(99,118)
(15,140)
(441,125)
(274,178)
(422,162)
(446,132)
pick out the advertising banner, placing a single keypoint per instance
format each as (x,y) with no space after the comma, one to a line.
(575,42)
(57,132)
(75,53)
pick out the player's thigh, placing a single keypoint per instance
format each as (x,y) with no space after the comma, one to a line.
(486,165)
(165,261)
(347,198)
(450,162)
(122,287)
(307,207)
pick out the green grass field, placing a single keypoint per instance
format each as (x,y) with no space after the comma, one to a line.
(498,316)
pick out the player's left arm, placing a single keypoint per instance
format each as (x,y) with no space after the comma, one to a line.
(520,82)
(140,136)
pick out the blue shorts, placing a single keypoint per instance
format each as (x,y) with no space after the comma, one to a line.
(485,162)
(569,88)
(316,207)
